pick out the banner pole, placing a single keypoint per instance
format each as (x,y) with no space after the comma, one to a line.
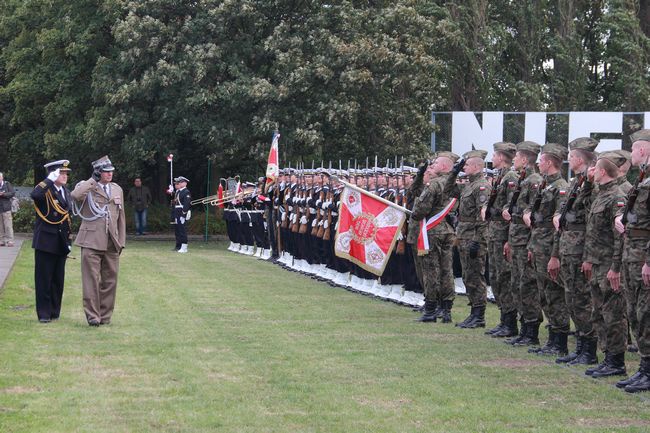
(374,196)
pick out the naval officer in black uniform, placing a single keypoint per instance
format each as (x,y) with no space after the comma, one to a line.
(51,241)
(182,212)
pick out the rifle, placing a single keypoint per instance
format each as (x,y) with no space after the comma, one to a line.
(318,224)
(538,202)
(400,199)
(573,195)
(632,195)
(493,194)
(517,193)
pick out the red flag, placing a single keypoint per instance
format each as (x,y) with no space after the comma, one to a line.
(367,230)
(220,196)
(272,169)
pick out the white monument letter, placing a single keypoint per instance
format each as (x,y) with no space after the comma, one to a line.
(466,131)
(535,127)
(585,123)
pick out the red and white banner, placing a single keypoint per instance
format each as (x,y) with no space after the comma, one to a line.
(423,239)
(368,229)
(272,168)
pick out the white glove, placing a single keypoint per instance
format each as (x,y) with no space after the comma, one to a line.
(283,217)
(325,224)
(188,215)
(314,222)
(182,220)
(303,220)
(54,175)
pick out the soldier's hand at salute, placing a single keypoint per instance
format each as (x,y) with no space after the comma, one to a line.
(553,268)
(586,269)
(614,280)
(526,218)
(645,274)
(618,224)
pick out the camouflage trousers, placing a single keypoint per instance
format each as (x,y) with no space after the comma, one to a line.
(555,309)
(524,283)
(609,323)
(629,269)
(640,294)
(500,278)
(577,293)
(436,269)
(474,273)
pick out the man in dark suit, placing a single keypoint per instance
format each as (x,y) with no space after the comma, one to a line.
(182,212)
(51,241)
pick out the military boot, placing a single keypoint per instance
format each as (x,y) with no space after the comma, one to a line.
(439,311)
(558,347)
(479,319)
(614,366)
(587,355)
(532,335)
(446,311)
(497,328)
(636,376)
(573,355)
(467,319)
(522,334)
(429,313)
(643,382)
(547,346)
(509,328)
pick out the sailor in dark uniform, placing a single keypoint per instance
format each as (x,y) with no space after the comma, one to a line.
(182,212)
(51,241)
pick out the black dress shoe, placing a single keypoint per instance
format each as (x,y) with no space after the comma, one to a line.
(93,322)
(44,320)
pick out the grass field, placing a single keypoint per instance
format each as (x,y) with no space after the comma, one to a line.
(216,341)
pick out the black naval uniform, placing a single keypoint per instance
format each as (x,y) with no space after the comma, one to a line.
(51,243)
(182,205)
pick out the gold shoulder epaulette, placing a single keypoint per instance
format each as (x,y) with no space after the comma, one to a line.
(42,184)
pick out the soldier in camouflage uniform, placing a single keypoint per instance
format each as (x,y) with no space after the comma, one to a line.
(472,237)
(636,261)
(500,274)
(601,267)
(542,238)
(523,281)
(569,246)
(436,265)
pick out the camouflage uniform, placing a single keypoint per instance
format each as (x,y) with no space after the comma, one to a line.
(541,244)
(498,228)
(523,281)
(436,265)
(472,229)
(603,250)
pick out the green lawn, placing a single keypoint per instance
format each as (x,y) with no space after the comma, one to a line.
(216,341)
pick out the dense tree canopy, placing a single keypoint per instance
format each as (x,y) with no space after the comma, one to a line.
(214,78)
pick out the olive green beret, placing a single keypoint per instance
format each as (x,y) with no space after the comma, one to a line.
(475,154)
(640,135)
(584,143)
(508,148)
(450,155)
(614,157)
(529,146)
(556,150)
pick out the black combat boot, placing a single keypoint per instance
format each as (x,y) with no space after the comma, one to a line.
(497,328)
(636,376)
(479,319)
(559,347)
(643,382)
(532,335)
(429,313)
(509,328)
(446,311)
(587,355)
(573,355)
(439,310)
(547,346)
(467,319)
(614,366)
(522,334)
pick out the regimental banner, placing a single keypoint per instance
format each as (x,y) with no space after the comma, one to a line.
(368,229)
(272,168)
